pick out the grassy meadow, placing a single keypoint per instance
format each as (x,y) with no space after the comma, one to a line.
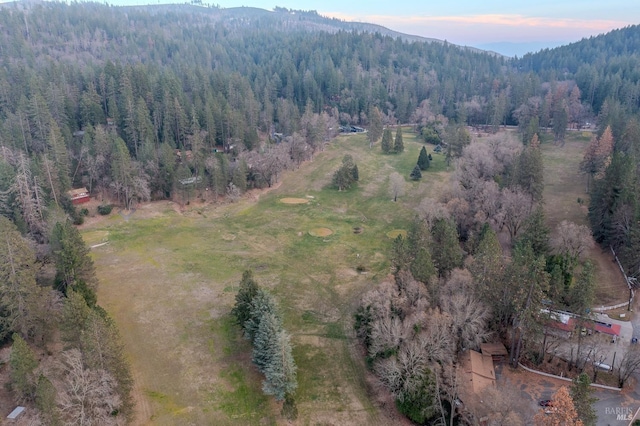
(566,198)
(169,277)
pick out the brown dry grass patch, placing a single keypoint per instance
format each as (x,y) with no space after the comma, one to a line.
(320,232)
(294,200)
(394,233)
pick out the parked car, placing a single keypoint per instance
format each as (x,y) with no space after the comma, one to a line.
(546,403)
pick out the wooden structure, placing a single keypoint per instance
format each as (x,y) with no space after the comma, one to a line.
(496,351)
(479,367)
(79,195)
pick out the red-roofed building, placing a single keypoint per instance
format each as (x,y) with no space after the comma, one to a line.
(79,195)
(570,325)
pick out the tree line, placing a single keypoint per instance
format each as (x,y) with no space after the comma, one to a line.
(67,362)
(256,311)
(478,264)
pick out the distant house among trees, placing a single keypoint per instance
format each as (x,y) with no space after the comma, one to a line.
(351,129)
(79,195)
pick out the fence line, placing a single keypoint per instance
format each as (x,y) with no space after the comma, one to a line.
(626,279)
(611,307)
(566,379)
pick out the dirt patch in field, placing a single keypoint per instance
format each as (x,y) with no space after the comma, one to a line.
(93,238)
(294,200)
(394,234)
(611,286)
(320,232)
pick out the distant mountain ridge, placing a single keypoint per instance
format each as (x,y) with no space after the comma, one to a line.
(621,44)
(286,19)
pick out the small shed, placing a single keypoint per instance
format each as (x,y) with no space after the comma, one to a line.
(16,413)
(79,195)
(496,351)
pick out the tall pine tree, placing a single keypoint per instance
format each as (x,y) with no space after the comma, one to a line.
(423,159)
(398,145)
(387,141)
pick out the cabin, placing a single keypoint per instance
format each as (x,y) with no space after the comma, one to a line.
(79,195)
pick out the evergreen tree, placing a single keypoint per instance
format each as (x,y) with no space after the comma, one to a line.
(74,266)
(529,172)
(375,126)
(45,399)
(398,146)
(536,232)
(430,135)
(262,303)
(583,399)
(416,174)
(346,175)
(22,364)
(386,144)
(529,271)
(280,373)
(609,196)
(269,326)
(75,314)
(445,250)
(248,290)
(401,255)
(457,139)
(423,159)
(102,349)
(23,303)
(422,267)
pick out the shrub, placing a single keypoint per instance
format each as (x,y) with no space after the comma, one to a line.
(105,209)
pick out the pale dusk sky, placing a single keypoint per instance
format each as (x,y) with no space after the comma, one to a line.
(477,23)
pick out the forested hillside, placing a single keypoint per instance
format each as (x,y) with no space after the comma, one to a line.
(604,67)
(179,102)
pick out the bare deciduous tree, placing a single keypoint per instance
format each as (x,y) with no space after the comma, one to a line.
(502,403)
(629,364)
(87,397)
(430,210)
(516,208)
(437,339)
(571,241)
(386,334)
(396,185)
(469,319)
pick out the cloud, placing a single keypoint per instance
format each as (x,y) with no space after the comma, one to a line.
(468,29)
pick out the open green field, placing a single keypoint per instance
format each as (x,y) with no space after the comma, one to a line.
(169,279)
(564,186)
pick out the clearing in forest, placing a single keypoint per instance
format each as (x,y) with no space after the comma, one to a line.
(566,198)
(169,279)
